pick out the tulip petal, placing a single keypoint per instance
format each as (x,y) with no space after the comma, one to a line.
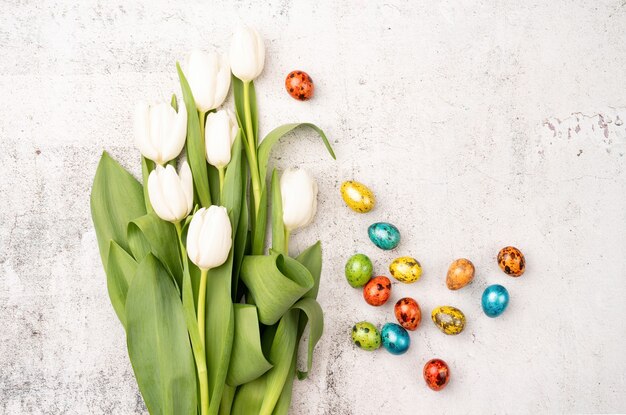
(193,236)
(172,189)
(186,181)
(141,126)
(157,197)
(176,132)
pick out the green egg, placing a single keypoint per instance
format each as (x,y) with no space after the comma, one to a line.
(366,336)
(358,270)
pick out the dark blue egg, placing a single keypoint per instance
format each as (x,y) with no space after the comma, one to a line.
(495,299)
(395,338)
(384,235)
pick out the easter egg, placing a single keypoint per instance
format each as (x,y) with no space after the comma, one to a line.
(460,273)
(436,374)
(384,235)
(357,196)
(512,261)
(299,85)
(377,291)
(450,320)
(395,338)
(408,313)
(406,269)
(366,336)
(358,270)
(495,299)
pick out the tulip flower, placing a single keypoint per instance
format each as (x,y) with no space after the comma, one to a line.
(160,131)
(208,75)
(299,196)
(171,194)
(220,133)
(209,237)
(247,54)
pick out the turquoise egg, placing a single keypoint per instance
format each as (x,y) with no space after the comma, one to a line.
(395,338)
(384,235)
(495,299)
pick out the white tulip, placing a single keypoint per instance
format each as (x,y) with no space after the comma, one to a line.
(208,75)
(160,131)
(220,133)
(247,53)
(171,194)
(299,196)
(209,237)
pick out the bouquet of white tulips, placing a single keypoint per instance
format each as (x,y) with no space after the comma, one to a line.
(212,319)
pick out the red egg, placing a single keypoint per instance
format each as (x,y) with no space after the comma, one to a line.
(377,291)
(408,313)
(299,85)
(436,374)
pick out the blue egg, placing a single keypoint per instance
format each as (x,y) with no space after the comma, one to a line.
(384,235)
(495,300)
(395,338)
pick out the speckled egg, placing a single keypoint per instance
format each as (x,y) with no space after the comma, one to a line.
(495,299)
(406,269)
(366,336)
(460,273)
(408,313)
(377,291)
(395,338)
(384,235)
(436,374)
(512,261)
(358,270)
(357,196)
(299,85)
(450,320)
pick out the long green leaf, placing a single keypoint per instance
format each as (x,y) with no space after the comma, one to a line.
(278,226)
(116,199)
(275,283)
(272,138)
(311,258)
(315,316)
(195,143)
(158,345)
(249,397)
(121,268)
(162,241)
(260,225)
(247,361)
(147,166)
(239,106)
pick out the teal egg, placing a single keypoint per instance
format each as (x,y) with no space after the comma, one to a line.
(384,235)
(395,338)
(366,336)
(495,299)
(358,270)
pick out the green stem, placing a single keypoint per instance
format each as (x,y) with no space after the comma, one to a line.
(287,234)
(201,304)
(254,164)
(221,172)
(202,115)
(199,357)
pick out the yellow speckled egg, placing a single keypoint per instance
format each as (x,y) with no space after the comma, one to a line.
(406,269)
(357,196)
(450,320)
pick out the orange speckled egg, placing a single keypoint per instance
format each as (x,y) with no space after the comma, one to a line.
(408,313)
(377,291)
(460,273)
(512,261)
(299,85)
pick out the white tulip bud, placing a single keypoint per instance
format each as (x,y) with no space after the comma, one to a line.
(171,194)
(220,133)
(208,75)
(247,53)
(299,195)
(160,131)
(209,237)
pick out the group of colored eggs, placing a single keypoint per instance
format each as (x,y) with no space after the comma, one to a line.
(377,290)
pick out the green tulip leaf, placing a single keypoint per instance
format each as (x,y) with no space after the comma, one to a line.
(239,107)
(312,259)
(259,226)
(247,361)
(278,226)
(121,268)
(157,341)
(276,134)
(147,166)
(174,102)
(249,397)
(315,317)
(275,282)
(196,151)
(116,199)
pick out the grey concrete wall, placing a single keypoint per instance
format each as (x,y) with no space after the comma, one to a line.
(478,124)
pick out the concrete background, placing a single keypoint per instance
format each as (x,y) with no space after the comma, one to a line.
(478,124)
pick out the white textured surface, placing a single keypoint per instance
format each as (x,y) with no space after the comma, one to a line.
(457,114)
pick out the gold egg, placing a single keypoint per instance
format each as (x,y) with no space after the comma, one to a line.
(357,196)
(448,319)
(460,273)
(406,269)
